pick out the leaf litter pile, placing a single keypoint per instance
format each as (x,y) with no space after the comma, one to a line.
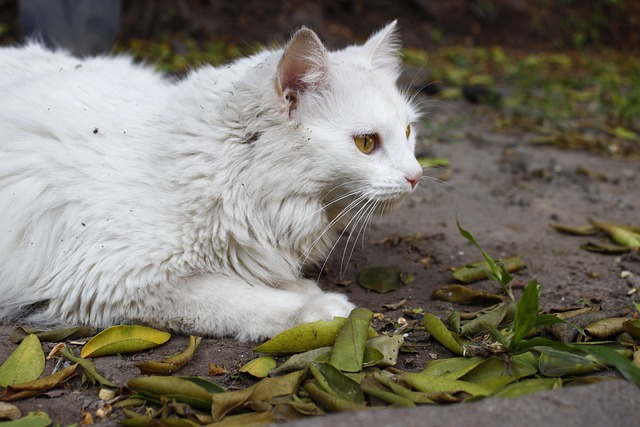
(508,349)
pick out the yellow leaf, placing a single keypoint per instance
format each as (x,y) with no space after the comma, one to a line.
(32,388)
(123,339)
(171,364)
(25,364)
(260,366)
(304,337)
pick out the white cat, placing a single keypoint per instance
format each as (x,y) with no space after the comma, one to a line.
(193,206)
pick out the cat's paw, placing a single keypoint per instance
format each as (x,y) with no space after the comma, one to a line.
(324,307)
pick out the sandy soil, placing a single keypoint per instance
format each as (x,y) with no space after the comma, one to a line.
(505,191)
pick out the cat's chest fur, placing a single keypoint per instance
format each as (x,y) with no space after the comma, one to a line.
(191,205)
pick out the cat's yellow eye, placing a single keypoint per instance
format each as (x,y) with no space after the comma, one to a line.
(365,143)
(408,131)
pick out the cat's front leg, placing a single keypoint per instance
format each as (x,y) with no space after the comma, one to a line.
(303,286)
(215,305)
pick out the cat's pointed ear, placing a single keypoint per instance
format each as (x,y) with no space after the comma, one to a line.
(302,67)
(383,49)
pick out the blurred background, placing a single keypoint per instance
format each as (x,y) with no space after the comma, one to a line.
(523,24)
(563,72)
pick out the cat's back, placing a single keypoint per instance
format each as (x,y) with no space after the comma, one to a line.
(44,91)
(33,62)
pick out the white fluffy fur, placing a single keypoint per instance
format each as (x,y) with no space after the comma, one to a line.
(193,205)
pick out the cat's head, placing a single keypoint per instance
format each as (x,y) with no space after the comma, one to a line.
(356,121)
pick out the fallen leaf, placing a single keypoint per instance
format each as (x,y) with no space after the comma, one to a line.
(432,384)
(217,370)
(54,335)
(605,248)
(373,388)
(452,367)
(465,295)
(381,279)
(620,234)
(88,367)
(260,366)
(439,331)
(395,306)
(264,390)
(303,360)
(477,271)
(606,328)
(304,337)
(336,383)
(529,386)
(171,364)
(179,389)
(632,327)
(25,364)
(583,230)
(495,373)
(484,323)
(348,351)
(329,401)
(32,419)
(32,388)
(388,346)
(123,339)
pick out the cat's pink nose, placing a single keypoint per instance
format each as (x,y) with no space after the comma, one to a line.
(414,179)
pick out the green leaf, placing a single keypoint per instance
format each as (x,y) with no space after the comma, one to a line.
(32,419)
(558,363)
(620,234)
(632,327)
(302,360)
(481,270)
(179,389)
(373,388)
(608,355)
(88,367)
(387,346)
(209,386)
(524,387)
(494,373)
(526,313)
(260,366)
(486,322)
(123,339)
(495,272)
(381,279)
(263,391)
(348,350)
(439,331)
(452,367)
(25,364)
(304,337)
(432,384)
(330,401)
(336,383)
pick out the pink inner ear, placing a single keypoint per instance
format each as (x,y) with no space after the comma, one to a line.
(293,73)
(303,64)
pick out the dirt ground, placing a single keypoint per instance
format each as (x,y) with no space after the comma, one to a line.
(501,188)
(505,191)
